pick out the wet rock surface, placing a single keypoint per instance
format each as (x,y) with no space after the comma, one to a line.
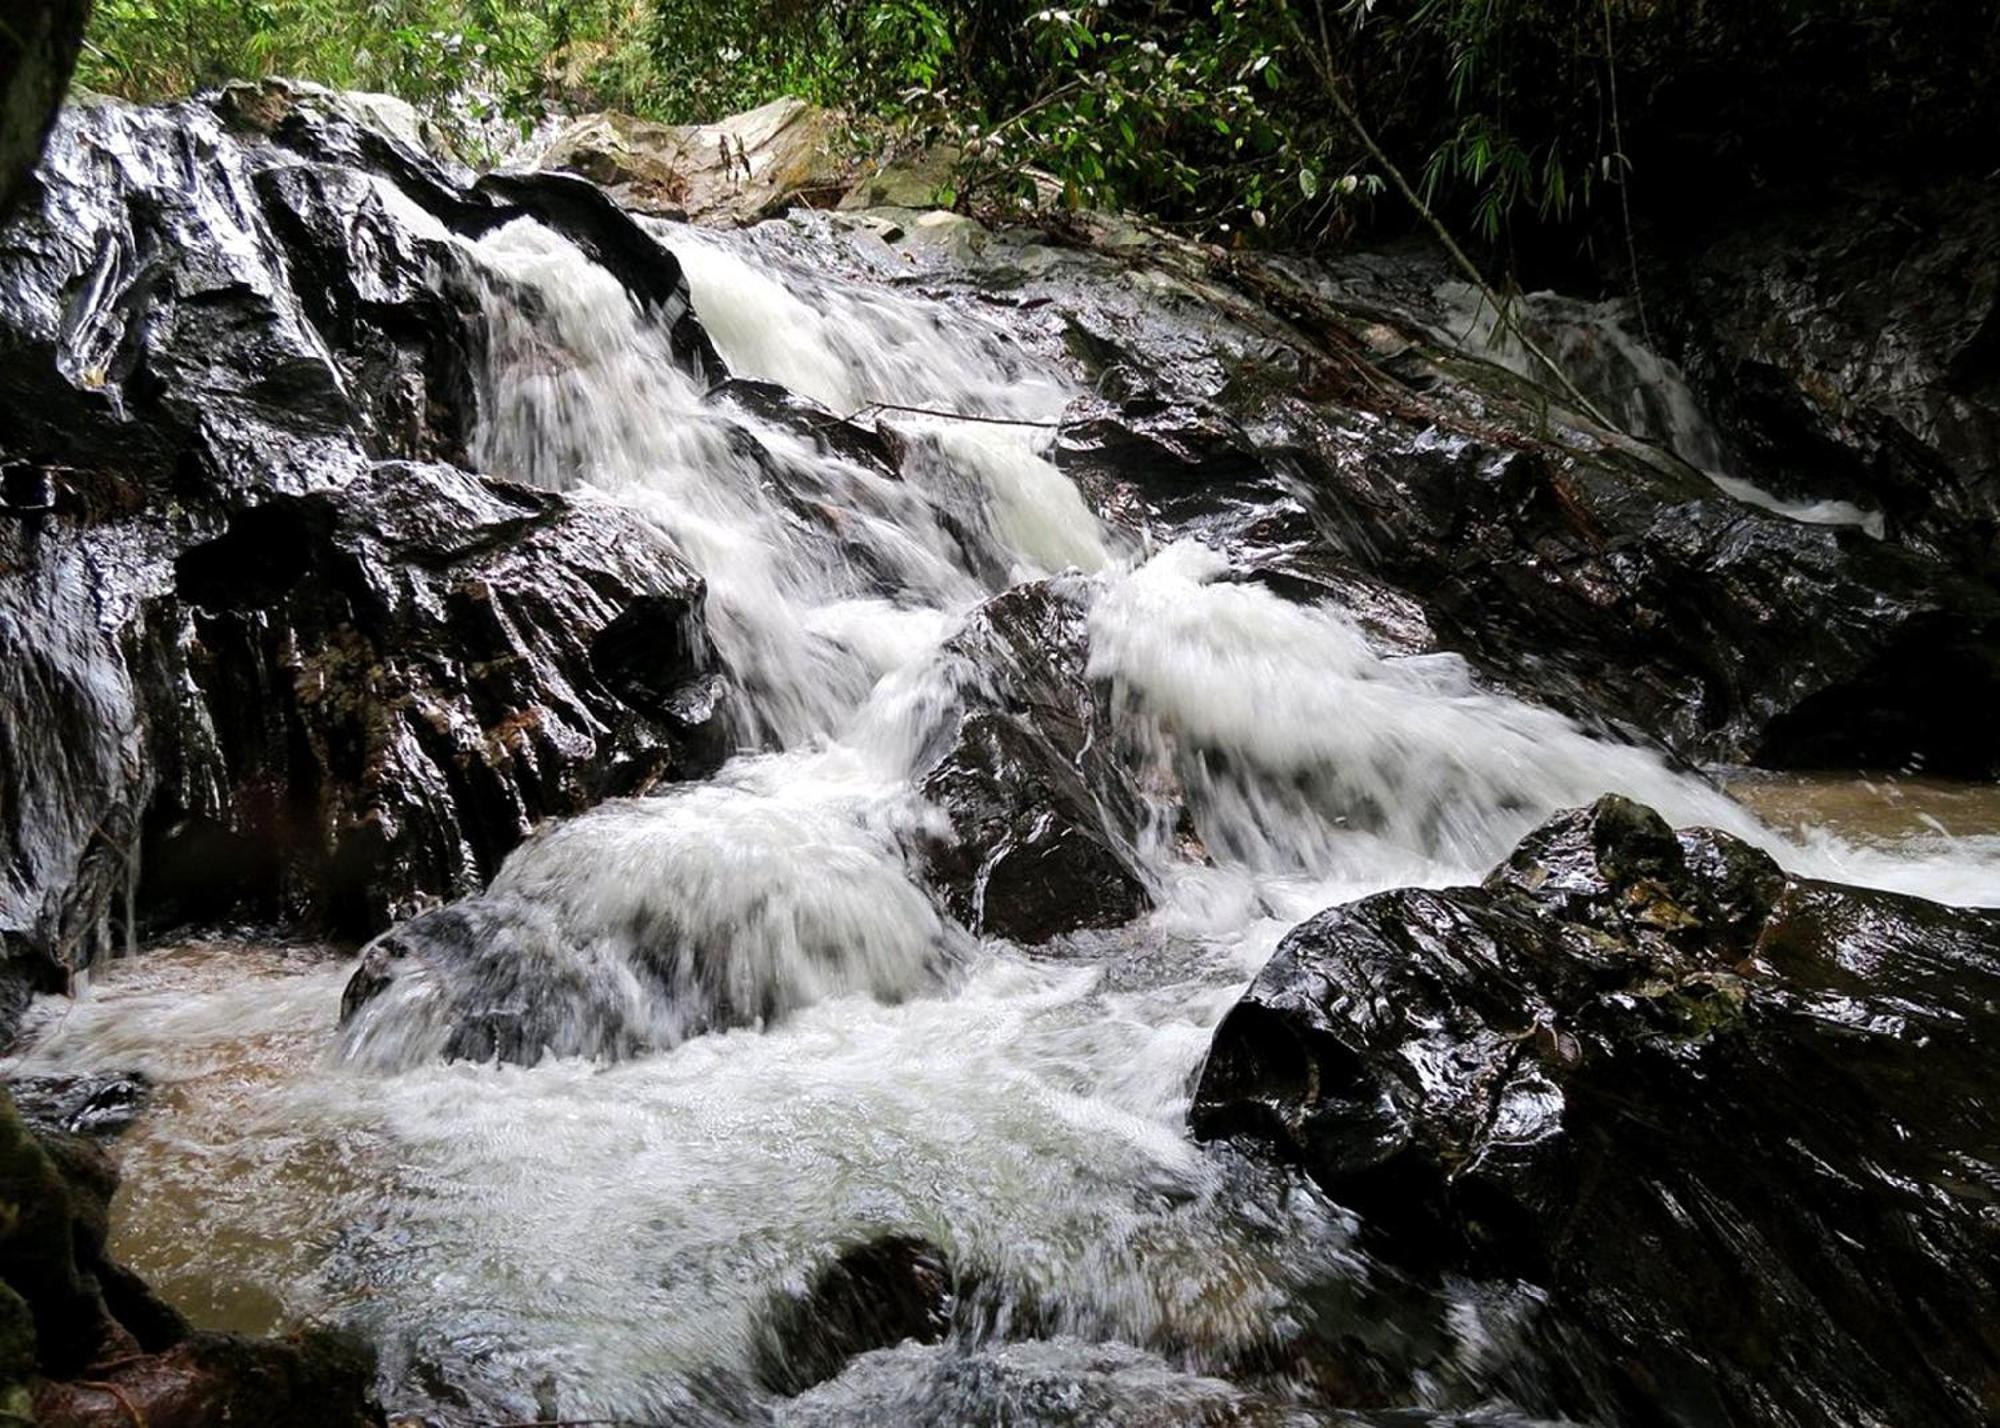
(1042,808)
(273,649)
(1306,419)
(95,1104)
(1734,1124)
(1850,341)
(741,169)
(878,1294)
(1718,1136)
(84,1342)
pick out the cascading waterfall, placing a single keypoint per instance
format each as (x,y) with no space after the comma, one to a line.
(778,1044)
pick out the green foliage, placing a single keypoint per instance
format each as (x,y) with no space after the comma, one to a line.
(1200,124)
(1208,113)
(466,61)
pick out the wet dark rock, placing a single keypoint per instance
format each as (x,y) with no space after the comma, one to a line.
(1619,585)
(311,1380)
(880,1293)
(274,651)
(96,1103)
(1735,1124)
(1850,342)
(72,1321)
(457,659)
(1042,807)
(582,212)
(1304,419)
(511,1000)
(831,432)
(38,49)
(1184,469)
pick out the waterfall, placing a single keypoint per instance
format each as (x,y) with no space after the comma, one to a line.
(770,1042)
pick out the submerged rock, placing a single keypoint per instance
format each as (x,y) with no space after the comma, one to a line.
(884,1292)
(1061,1383)
(274,650)
(1735,1124)
(1040,801)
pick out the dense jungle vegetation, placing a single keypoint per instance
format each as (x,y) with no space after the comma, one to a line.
(1510,116)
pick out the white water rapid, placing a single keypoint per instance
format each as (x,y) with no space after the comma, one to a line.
(597,1238)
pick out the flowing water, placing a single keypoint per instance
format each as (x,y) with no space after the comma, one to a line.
(1635,386)
(603,1236)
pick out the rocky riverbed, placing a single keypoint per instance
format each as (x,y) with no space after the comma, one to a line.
(944,821)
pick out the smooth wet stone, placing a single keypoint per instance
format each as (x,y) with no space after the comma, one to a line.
(1041,805)
(1737,1126)
(96,1104)
(880,1293)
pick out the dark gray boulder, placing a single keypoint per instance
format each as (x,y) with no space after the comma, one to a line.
(883,1292)
(1849,339)
(1737,1126)
(272,649)
(1030,775)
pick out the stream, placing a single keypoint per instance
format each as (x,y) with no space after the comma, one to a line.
(836,1058)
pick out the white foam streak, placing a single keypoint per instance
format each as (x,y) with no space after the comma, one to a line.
(1303,751)
(1643,391)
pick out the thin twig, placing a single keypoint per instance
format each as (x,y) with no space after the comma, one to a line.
(132,1412)
(1624,174)
(868,407)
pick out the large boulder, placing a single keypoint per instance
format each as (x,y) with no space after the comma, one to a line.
(409,674)
(266,643)
(1307,422)
(1850,341)
(1621,586)
(1738,1127)
(1035,786)
(735,171)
